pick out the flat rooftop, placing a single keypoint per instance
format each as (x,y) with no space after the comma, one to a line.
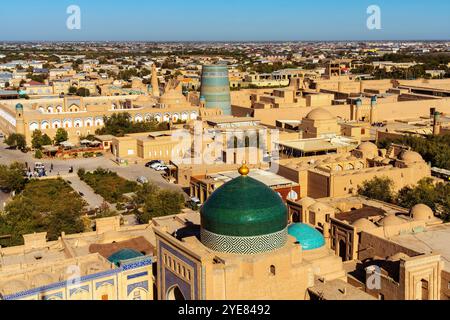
(435,239)
(320,144)
(269,178)
(338,290)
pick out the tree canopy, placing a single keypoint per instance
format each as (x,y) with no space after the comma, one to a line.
(12,177)
(120,124)
(61,136)
(16,141)
(380,188)
(155,202)
(39,140)
(434,149)
(427,191)
(50,206)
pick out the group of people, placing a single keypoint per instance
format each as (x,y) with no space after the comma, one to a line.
(41,171)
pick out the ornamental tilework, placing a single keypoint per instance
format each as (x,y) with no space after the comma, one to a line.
(244,245)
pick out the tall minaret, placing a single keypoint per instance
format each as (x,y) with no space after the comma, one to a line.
(20,122)
(373,110)
(155,84)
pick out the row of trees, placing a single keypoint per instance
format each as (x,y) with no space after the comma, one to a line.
(120,124)
(434,149)
(434,195)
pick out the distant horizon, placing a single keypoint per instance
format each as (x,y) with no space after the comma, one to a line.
(220,41)
(224,21)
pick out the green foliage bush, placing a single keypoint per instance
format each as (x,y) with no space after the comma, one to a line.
(50,206)
(108,184)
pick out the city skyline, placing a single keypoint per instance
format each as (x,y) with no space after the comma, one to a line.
(233,21)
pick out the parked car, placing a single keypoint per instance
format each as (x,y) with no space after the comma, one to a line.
(161,167)
(142,180)
(149,164)
(157,164)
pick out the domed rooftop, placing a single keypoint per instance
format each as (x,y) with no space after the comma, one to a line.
(368,147)
(391,220)
(320,114)
(244,216)
(421,212)
(411,157)
(364,224)
(19,106)
(306,202)
(319,207)
(308,237)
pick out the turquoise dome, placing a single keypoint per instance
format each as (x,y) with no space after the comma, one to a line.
(19,106)
(307,236)
(244,207)
(122,255)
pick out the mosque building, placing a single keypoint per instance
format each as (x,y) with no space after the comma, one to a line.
(242,247)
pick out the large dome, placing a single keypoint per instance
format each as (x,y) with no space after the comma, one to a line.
(308,237)
(244,216)
(319,114)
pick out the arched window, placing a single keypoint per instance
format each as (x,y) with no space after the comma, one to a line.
(272,270)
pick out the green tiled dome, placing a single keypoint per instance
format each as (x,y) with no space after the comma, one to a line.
(244,207)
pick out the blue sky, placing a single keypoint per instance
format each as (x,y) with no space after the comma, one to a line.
(224,20)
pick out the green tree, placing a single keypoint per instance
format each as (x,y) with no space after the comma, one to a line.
(16,141)
(379,188)
(36,139)
(38,154)
(12,177)
(61,136)
(428,192)
(46,140)
(83,92)
(50,206)
(156,202)
(72,90)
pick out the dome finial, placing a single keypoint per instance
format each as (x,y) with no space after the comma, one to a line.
(244,170)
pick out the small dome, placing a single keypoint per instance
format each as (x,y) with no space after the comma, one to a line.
(411,157)
(320,207)
(19,106)
(308,237)
(320,114)
(391,220)
(306,202)
(368,147)
(421,212)
(364,224)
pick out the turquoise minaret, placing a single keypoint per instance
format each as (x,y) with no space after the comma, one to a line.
(216,87)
